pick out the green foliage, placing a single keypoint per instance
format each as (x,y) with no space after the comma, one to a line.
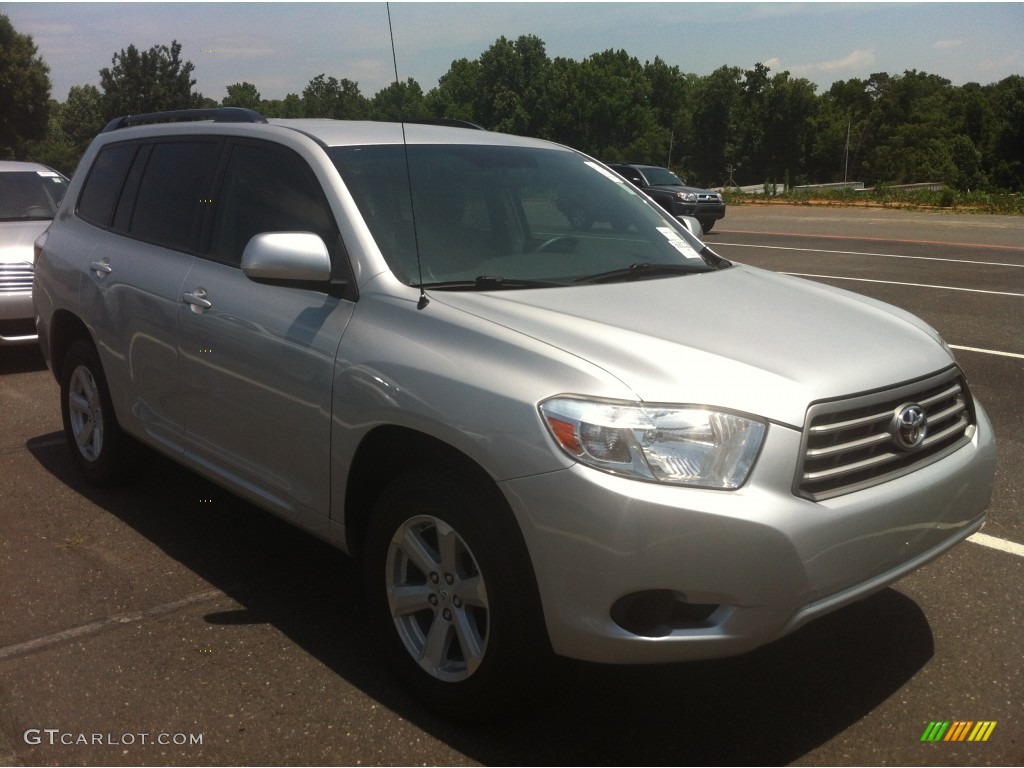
(338,99)
(24,92)
(400,101)
(243,95)
(71,127)
(888,196)
(454,98)
(735,126)
(156,80)
(290,106)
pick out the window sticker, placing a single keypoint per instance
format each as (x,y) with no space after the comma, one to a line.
(48,174)
(676,241)
(605,172)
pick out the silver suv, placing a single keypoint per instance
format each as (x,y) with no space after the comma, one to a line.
(612,443)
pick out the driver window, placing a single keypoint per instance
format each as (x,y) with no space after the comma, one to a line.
(269,189)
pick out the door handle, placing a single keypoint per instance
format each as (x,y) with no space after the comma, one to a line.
(197,301)
(102,267)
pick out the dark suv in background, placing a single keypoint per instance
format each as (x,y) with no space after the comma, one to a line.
(673,194)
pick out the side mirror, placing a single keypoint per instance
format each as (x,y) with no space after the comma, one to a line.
(692,226)
(287,256)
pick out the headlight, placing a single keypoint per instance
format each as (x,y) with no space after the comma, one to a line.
(681,445)
(686,197)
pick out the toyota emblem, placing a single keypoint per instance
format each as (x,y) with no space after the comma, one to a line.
(909,426)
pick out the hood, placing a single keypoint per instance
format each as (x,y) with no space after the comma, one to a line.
(17,237)
(680,188)
(740,338)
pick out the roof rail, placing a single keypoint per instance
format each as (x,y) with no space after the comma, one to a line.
(445,121)
(217,114)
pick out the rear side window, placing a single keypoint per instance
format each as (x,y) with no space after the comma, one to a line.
(102,187)
(174,193)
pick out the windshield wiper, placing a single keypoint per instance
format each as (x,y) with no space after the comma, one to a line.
(640,270)
(490,283)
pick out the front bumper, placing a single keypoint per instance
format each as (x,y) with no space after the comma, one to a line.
(702,210)
(768,560)
(16,318)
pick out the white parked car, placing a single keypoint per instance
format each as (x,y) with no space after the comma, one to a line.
(29,196)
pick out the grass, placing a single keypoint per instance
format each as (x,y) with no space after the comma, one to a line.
(1003,203)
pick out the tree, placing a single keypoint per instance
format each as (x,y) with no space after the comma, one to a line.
(607,109)
(511,83)
(24,92)
(454,98)
(242,95)
(290,106)
(789,127)
(81,116)
(714,123)
(672,99)
(1007,98)
(156,80)
(399,101)
(338,99)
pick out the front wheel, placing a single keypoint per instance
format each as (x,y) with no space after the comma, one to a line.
(452,595)
(102,451)
(706,224)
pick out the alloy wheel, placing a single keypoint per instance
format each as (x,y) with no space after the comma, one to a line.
(437,598)
(86,413)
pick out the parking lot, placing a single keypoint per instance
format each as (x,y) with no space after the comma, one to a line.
(171,623)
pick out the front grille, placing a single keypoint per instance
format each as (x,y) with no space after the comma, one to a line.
(854,443)
(15,277)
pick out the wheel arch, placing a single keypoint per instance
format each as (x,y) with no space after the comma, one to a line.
(389,451)
(65,329)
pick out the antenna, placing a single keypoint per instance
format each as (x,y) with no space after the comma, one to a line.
(422,303)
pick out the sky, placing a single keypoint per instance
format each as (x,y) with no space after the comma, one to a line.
(280,47)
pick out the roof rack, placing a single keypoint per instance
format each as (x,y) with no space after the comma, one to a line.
(445,121)
(218,115)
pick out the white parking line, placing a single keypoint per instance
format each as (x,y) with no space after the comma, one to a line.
(20,649)
(987,351)
(1001,544)
(912,285)
(882,255)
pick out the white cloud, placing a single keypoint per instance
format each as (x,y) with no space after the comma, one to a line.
(945,44)
(1006,63)
(250,47)
(854,61)
(858,58)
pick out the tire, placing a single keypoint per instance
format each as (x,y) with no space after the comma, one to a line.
(706,224)
(453,596)
(102,451)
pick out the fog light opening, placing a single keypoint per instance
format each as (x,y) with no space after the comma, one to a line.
(659,612)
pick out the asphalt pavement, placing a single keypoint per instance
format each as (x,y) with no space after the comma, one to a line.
(170,623)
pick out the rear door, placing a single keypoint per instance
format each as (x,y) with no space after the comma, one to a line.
(149,200)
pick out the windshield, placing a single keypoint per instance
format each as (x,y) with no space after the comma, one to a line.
(662,177)
(30,195)
(489,218)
